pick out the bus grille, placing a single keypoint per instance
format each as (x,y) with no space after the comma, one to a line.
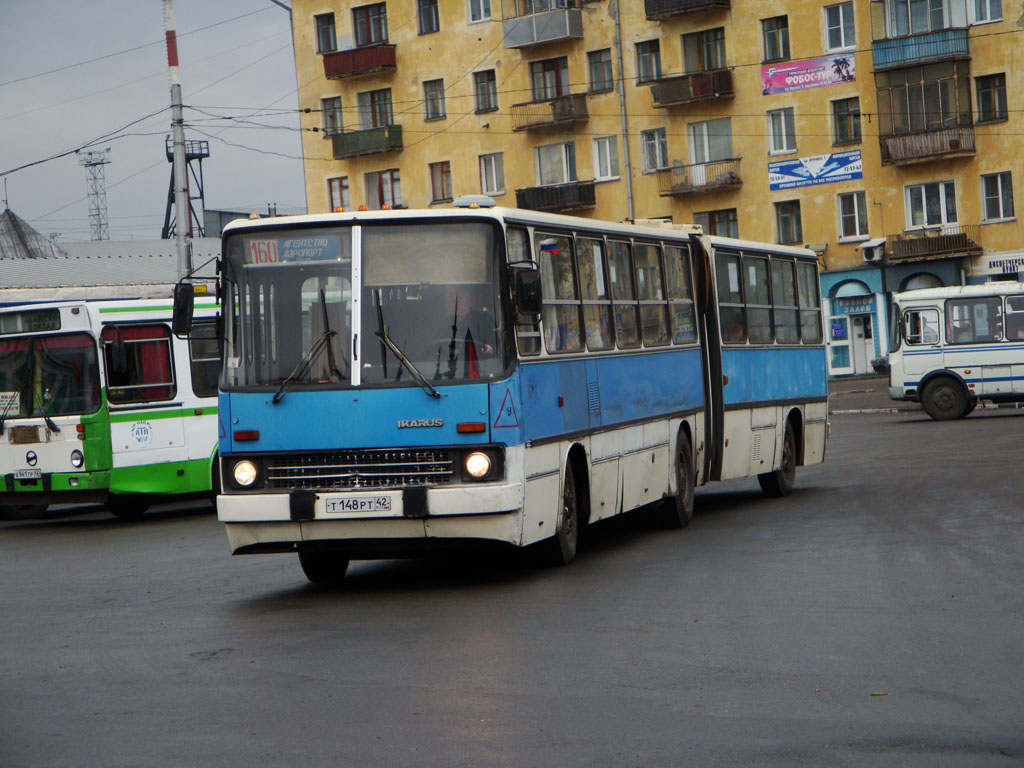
(361,469)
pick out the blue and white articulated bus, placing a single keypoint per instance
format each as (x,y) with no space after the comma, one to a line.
(955,346)
(396,382)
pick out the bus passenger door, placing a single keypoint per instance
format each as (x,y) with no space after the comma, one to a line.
(711,359)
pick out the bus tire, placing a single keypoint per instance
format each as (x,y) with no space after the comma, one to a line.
(325,568)
(677,510)
(127,506)
(971,405)
(561,548)
(944,399)
(780,482)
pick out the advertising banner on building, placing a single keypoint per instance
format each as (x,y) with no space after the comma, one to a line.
(800,75)
(808,171)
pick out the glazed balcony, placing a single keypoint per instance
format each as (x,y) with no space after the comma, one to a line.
(556,112)
(374,141)
(367,60)
(942,243)
(557,197)
(700,177)
(923,146)
(532,22)
(907,51)
(663,9)
(687,89)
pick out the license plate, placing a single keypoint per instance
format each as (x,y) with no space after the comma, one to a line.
(28,474)
(344,504)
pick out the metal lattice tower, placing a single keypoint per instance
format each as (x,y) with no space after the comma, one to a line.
(94,162)
(195,152)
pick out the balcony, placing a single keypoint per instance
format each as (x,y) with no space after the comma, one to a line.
(531,22)
(359,61)
(387,138)
(663,9)
(935,243)
(687,89)
(700,177)
(922,146)
(557,112)
(916,49)
(559,197)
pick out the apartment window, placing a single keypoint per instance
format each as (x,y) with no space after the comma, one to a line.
(987,10)
(923,98)
(492,174)
(991,91)
(931,205)
(549,78)
(704,51)
(433,99)
(441,182)
(606,158)
(782,130)
(997,191)
(337,194)
(429,21)
(383,188)
(370,23)
(375,109)
(655,149)
(775,35)
(599,65)
(710,141)
(330,109)
(648,61)
(555,163)
(839,26)
(787,222)
(479,10)
(485,85)
(853,215)
(722,223)
(846,120)
(326,38)
(914,17)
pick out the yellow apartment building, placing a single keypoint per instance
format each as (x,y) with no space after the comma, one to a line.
(883,134)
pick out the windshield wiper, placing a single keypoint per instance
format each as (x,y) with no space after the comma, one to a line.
(306,363)
(382,334)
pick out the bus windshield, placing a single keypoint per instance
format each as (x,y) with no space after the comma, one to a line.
(48,375)
(418,304)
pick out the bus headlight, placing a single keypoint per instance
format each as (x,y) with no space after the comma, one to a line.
(245,473)
(77,459)
(478,465)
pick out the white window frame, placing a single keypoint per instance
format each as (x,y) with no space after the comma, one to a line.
(860,216)
(331,118)
(492,165)
(1000,197)
(478,11)
(909,193)
(569,171)
(343,191)
(779,142)
(656,138)
(606,158)
(843,31)
(988,18)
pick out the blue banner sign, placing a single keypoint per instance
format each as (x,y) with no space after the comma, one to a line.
(808,171)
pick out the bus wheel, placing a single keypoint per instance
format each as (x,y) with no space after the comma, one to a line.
(780,481)
(944,398)
(561,548)
(127,506)
(677,511)
(971,405)
(323,567)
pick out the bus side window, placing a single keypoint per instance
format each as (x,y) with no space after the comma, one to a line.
(971,320)
(561,313)
(680,295)
(787,330)
(921,326)
(620,273)
(148,373)
(653,310)
(597,310)
(810,302)
(730,297)
(517,246)
(204,351)
(1014,317)
(757,299)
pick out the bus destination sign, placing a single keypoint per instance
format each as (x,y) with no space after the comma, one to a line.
(284,250)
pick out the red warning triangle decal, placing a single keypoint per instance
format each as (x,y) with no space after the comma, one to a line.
(507,415)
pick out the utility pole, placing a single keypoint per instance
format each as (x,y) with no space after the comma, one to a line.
(93,163)
(181,203)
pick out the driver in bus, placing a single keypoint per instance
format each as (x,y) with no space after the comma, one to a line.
(473,332)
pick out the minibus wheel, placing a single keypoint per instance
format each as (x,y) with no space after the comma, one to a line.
(780,481)
(944,398)
(323,567)
(677,510)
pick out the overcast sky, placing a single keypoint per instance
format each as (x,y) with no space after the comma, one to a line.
(236,63)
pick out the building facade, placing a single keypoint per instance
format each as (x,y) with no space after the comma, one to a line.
(881,134)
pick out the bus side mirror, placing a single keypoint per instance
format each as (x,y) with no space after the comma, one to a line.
(528,295)
(184,306)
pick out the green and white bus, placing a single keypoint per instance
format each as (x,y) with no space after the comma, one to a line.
(100,402)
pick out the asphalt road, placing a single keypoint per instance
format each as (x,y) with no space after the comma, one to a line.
(873,618)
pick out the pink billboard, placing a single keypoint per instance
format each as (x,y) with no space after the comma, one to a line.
(787,76)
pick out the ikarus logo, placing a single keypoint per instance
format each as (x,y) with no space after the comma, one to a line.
(142,433)
(410,423)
